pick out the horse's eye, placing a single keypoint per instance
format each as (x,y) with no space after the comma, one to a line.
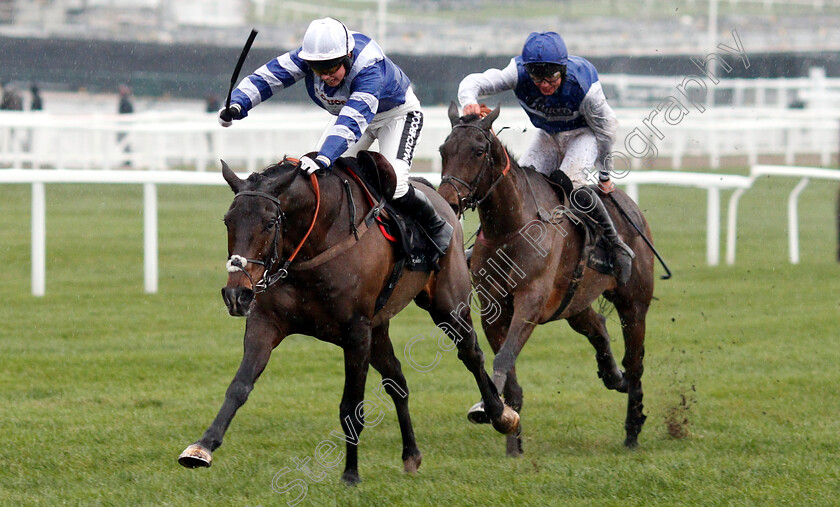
(270,225)
(479,152)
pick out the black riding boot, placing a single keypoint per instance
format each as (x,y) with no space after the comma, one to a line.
(562,184)
(416,205)
(586,200)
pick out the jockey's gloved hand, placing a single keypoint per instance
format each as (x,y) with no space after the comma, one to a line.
(309,165)
(227,115)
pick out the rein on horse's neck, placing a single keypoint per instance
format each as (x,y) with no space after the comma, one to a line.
(503,208)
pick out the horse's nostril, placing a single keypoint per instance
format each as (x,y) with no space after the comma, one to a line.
(245,297)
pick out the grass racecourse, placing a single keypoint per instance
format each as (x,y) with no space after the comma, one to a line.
(102,386)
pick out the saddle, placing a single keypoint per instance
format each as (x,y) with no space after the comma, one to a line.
(412,247)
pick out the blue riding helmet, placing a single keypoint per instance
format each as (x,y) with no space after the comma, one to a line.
(545,47)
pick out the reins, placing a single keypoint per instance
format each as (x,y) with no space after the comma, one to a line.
(237,262)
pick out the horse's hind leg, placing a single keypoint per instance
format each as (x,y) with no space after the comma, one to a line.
(384,360)
(632,316)
(260,339)
(593,325)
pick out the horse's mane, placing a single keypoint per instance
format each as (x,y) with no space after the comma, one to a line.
(279,168)
(424,181)
(274,171)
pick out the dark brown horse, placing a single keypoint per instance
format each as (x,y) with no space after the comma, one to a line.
(526,269)
(329,291)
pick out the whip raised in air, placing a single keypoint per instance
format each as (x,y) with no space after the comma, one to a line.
(238,67)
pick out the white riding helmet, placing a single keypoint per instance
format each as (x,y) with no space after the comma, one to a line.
(326,39)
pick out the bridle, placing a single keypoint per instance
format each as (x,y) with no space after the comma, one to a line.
(238,263)
(469,201)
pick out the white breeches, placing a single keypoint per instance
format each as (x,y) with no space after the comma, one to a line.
(398,131)
(573,152)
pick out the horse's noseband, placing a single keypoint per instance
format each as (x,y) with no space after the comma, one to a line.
(238,263)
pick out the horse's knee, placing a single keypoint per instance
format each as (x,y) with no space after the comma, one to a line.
(504,361)
(239,391)
(470,352)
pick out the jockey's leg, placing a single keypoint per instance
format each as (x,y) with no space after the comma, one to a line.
(397,142)
(544,154)
(580,154)
(416,205)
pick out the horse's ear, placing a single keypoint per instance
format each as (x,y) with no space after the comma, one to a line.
(231,178)
(488,120)
(454,115)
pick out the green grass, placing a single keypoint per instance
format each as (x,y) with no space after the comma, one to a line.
(102,386)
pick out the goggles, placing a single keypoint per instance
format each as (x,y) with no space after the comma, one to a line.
(550,80)
(326,67)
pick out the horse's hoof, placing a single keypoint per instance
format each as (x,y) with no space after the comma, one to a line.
(412,463)
(195,456)
(508,423)
(477,415)
(513,446)
(350,479)
(615,381)
(631,442)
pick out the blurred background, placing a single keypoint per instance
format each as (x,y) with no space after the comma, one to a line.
(72,68)
(187,49)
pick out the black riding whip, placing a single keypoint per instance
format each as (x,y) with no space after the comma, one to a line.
(238,67)
(667,274)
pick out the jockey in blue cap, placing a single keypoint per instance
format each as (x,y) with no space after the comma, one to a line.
(563,98)
(347,74)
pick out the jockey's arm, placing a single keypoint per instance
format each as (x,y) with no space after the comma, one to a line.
(280,73)
(603,122)
(489,82)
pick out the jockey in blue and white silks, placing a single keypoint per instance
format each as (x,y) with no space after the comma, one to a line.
(347,74)
(576,128)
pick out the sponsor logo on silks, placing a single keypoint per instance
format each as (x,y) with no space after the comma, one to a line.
(410,135)
(332,102)
(539,104)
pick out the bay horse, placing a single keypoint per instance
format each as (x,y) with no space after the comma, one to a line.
(299,264)
(526,265)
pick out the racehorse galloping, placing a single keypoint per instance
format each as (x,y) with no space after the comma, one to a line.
(330,293)
(532,253)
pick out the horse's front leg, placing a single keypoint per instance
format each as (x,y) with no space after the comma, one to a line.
(521,327)
(357,345)
(457,324)
(260,339)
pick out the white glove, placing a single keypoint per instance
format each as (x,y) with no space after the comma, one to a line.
(227,115)
(309,165)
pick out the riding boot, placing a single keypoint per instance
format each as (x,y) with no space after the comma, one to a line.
(416,205)
(586,200)
(562,184)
